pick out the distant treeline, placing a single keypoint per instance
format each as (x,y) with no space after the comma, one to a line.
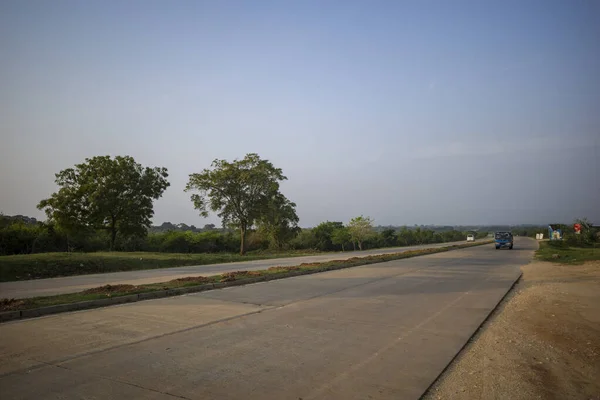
(23,235)
(168,226)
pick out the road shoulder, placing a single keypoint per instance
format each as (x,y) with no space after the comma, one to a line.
(542,342)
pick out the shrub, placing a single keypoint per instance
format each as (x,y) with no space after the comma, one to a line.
(18,238)
(305,239)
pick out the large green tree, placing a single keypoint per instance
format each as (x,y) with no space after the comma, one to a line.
(279,222)
(341,236)
(361,229)
(389,237)
(324,231)
(103,193)
(240,192)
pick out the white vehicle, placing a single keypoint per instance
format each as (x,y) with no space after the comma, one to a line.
(470,238)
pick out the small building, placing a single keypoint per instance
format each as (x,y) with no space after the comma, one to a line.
(555,232)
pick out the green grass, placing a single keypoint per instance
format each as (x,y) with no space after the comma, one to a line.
(52,265)
(561,252)
(273,272)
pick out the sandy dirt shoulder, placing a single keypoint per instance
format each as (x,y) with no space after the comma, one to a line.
(543,342)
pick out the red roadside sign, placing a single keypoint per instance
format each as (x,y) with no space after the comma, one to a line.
(577,228)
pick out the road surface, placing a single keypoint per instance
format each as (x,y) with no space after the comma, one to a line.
(72,284)
(381,331)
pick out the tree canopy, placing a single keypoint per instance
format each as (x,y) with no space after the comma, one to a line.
(104,193)
(240,192)
(361,228)
(323,233)
(389,237)
(341,236)
(279,222)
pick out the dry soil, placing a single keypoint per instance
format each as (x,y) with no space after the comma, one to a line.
(543,342)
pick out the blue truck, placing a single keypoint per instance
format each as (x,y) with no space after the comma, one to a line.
(503,239)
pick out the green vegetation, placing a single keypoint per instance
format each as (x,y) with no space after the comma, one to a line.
(52,265)
(529,231)
(341,236)
(271,273)
(574,248)
(21,237)
(39,249)
(360,229)
(565,253)
(106,203)
(245,193)
(105,194)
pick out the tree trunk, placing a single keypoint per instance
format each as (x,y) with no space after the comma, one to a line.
(353,245)
(113,234)
(342,247)
(360,246)
(242,240)
(113,239)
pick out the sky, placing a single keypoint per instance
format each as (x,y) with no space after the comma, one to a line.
(410,112)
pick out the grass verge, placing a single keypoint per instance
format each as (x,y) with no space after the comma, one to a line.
(562,252)
(53,265)
(239,277)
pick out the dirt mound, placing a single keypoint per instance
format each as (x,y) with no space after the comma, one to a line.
(109,289)
(232,276)
(283,269)
(196,279)
(352,259)
(10,304)
(305,265)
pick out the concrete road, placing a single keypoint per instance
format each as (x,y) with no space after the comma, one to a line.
(382,331)
(72,284)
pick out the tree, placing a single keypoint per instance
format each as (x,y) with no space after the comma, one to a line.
(586,225)
(168,226)
(279,223)
(323,233)
(114,195)
(389,237)
(239,191)
(361,228)
(406,237)
(341,236)
(588,233)
(305,239)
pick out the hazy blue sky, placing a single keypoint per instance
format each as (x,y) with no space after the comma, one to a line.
(424,112)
